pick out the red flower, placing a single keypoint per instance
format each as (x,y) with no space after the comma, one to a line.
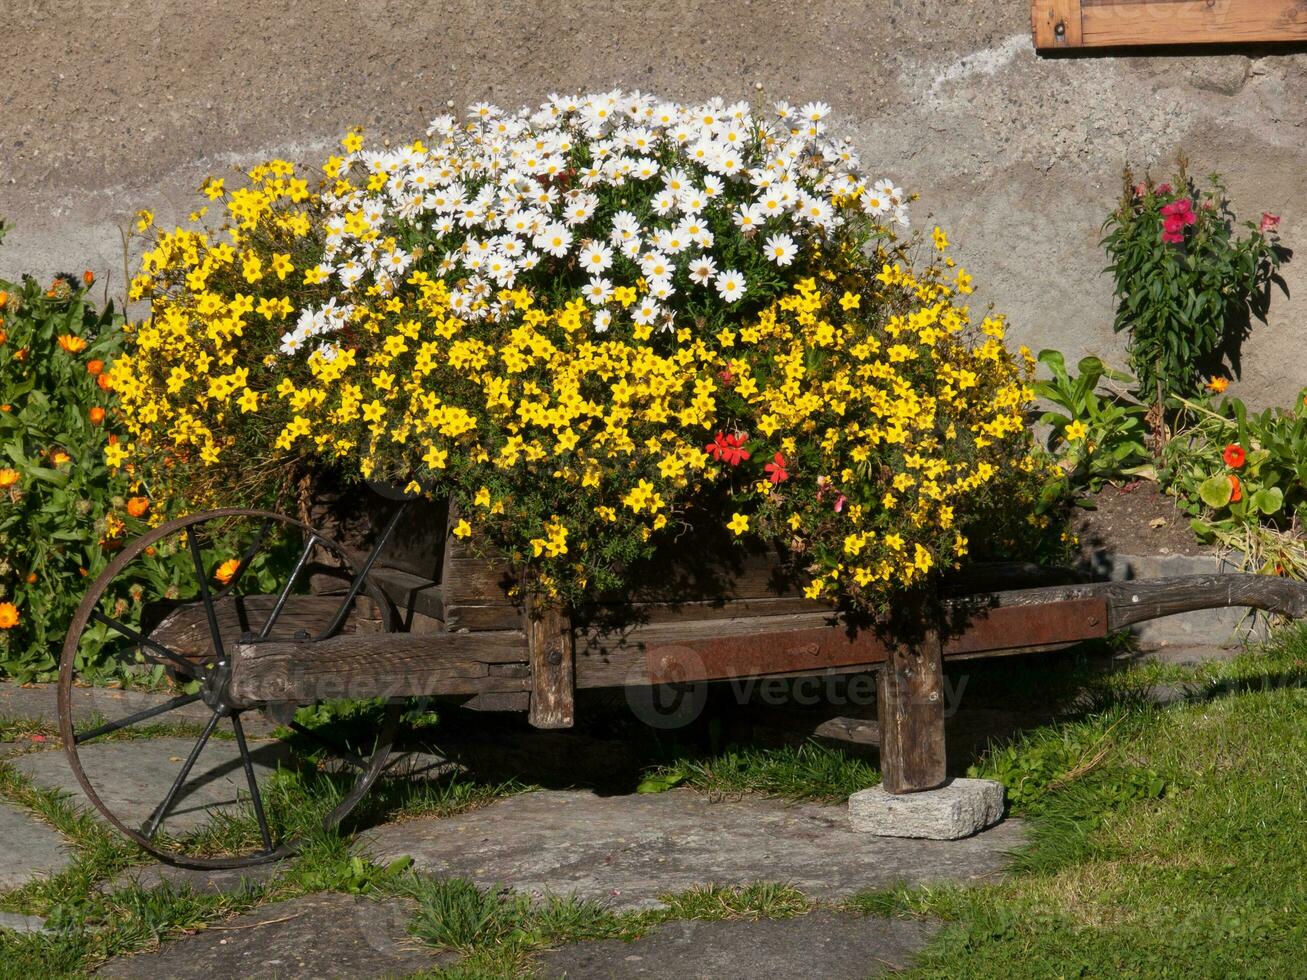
(1176,217)
(1236,489)
(776,471)
(1270,222)
(1234,456)
(727,376)
(729,448)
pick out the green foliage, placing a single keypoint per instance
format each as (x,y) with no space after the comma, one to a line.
(1242,477)
(61,512)
(1187,283)
(1097,436)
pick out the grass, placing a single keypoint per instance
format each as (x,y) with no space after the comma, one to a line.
(810,771)
(1206,877)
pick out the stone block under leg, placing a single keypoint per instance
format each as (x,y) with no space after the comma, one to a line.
(959,808)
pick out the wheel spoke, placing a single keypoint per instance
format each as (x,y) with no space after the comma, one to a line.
(247,557)
(255,798)
(182,664)
(331,745)
(158,709)
(202,578)
(290,583)
(161,811)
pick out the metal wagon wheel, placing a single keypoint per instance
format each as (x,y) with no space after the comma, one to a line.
(226,576)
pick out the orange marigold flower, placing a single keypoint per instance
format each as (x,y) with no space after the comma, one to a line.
(3,336)
(88,277)
(4,298)
(94,367)
(72,343)
(6,407)
(59,457)
(31,578)
(8,616)
(104,382)
(8,477)
(227,570)
(1218,385)
(1234,456)
(137,506)
(97,415)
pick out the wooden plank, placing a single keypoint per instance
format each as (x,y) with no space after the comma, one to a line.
(380,665)
(549,640)
(1124,23)
(184,628)
(910,704)
(1056,23)
(410,593)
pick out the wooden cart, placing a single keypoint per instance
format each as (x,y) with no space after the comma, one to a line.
(341,624)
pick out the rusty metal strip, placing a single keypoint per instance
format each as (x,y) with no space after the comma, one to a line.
(1006,627)
(975,631)
(762,653)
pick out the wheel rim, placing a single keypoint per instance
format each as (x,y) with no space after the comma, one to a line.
(225,611)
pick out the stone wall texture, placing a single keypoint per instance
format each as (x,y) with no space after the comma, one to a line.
(111,106)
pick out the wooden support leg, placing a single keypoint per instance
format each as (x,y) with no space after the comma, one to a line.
(549,639)
(910,705)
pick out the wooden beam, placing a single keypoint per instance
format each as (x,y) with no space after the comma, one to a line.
(549,641)
(1056,23)
(1125,23)
(910,704)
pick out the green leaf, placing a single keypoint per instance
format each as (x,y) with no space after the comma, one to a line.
(660,782)
(1268,500)
(1216,491)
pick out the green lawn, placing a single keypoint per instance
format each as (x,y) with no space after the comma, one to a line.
(1209,879)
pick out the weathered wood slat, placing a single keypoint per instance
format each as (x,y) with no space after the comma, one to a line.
(549,642)
(1119,23)
(381,665)
(1142,600)
(409,592)
(185,628)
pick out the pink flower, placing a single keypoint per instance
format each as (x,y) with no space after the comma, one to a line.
(839,504)
(1140,190)
(1270,222)
(1164,188)
(1177,216)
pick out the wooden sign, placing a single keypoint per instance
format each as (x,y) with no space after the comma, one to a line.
(1060,24)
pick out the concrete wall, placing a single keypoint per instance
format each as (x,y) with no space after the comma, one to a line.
(108,106)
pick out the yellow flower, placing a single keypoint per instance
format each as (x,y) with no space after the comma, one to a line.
(8,477)
(9,617)
(1076,431)
(1218,385)
(738,523)
(850,301)
(72,344)
(227,570)
(462,529)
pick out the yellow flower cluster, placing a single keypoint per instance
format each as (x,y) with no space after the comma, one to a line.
(856,415)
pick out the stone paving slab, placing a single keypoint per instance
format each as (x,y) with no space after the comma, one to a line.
(317,937)
(16,922)
(821,944)
(627,850)
(212,881)
(29,848)
(39,702)
(133,777)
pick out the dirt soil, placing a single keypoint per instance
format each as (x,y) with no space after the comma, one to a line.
(1136,519)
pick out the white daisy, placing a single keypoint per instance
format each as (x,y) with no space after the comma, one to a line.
(598,291)
(703,269)
(730,285)
(780,249)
